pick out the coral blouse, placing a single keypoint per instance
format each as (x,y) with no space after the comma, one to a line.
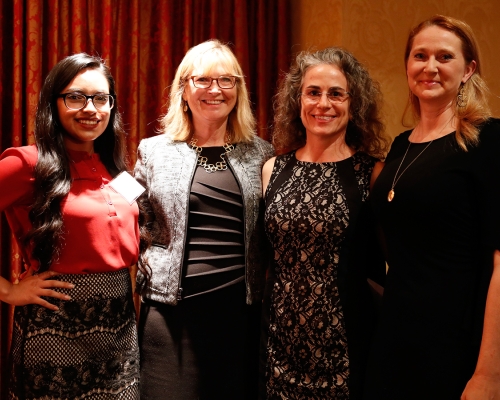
(101,232)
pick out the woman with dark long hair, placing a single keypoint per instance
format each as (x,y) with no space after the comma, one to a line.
(74,332)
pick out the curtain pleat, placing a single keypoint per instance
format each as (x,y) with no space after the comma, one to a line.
(142,41)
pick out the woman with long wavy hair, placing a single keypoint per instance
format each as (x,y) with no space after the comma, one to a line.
(74,332)
(329,136)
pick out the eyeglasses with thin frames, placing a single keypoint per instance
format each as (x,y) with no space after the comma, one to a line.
(224,82)
(77,101)
(335,96)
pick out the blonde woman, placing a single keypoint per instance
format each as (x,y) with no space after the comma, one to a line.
(437,203)
(199,319)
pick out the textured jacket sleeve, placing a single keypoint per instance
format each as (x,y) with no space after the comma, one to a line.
(140,174)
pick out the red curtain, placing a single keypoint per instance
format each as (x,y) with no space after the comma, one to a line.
(143,41)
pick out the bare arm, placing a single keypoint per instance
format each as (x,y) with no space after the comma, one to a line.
(377,169)
(485,383)
(31,289)
(267,169)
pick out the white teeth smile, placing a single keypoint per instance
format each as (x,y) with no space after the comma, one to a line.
(213,101)
(324,117)
(88,122)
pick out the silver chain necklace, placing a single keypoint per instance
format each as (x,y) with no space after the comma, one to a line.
(202,161)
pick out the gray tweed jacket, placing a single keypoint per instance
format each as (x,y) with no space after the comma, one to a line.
(166,168)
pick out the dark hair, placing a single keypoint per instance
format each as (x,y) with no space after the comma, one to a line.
(52,170)
(365,131)
(476,109)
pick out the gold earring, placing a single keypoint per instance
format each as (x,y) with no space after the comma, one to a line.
(185,106)
(462,97)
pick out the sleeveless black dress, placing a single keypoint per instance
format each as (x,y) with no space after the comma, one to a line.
(311,210)
(441,229)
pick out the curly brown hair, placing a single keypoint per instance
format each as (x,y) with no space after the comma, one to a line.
(365,131)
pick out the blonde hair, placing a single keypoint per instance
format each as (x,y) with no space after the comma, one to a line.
(475,91)
(203,58)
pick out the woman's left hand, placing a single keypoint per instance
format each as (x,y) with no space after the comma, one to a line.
(485,383)
(482,387)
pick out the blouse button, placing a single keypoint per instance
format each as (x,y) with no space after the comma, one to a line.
(110,203)
(102,186)
(94,170)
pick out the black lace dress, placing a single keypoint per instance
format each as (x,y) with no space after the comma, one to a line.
(310,208)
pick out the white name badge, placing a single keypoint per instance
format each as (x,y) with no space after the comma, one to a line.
(127,186)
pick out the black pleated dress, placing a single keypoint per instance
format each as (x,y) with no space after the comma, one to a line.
(206,347)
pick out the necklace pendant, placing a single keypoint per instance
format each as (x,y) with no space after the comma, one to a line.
(390,195)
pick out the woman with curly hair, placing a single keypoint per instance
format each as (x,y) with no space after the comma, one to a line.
(328,135)
(74,332)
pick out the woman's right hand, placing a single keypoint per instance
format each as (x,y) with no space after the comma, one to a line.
(31,289)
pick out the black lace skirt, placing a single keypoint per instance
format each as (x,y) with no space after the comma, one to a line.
(88,349)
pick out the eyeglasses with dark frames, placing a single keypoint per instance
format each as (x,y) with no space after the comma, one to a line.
(337,95)
(77,101)
(224,81)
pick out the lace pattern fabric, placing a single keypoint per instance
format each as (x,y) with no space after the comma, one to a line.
(306,222)
(88,349)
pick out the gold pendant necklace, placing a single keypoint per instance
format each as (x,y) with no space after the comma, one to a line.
(202,161)
(392,193)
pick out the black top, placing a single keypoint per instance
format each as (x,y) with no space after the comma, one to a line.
(440,231)
(214,251)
